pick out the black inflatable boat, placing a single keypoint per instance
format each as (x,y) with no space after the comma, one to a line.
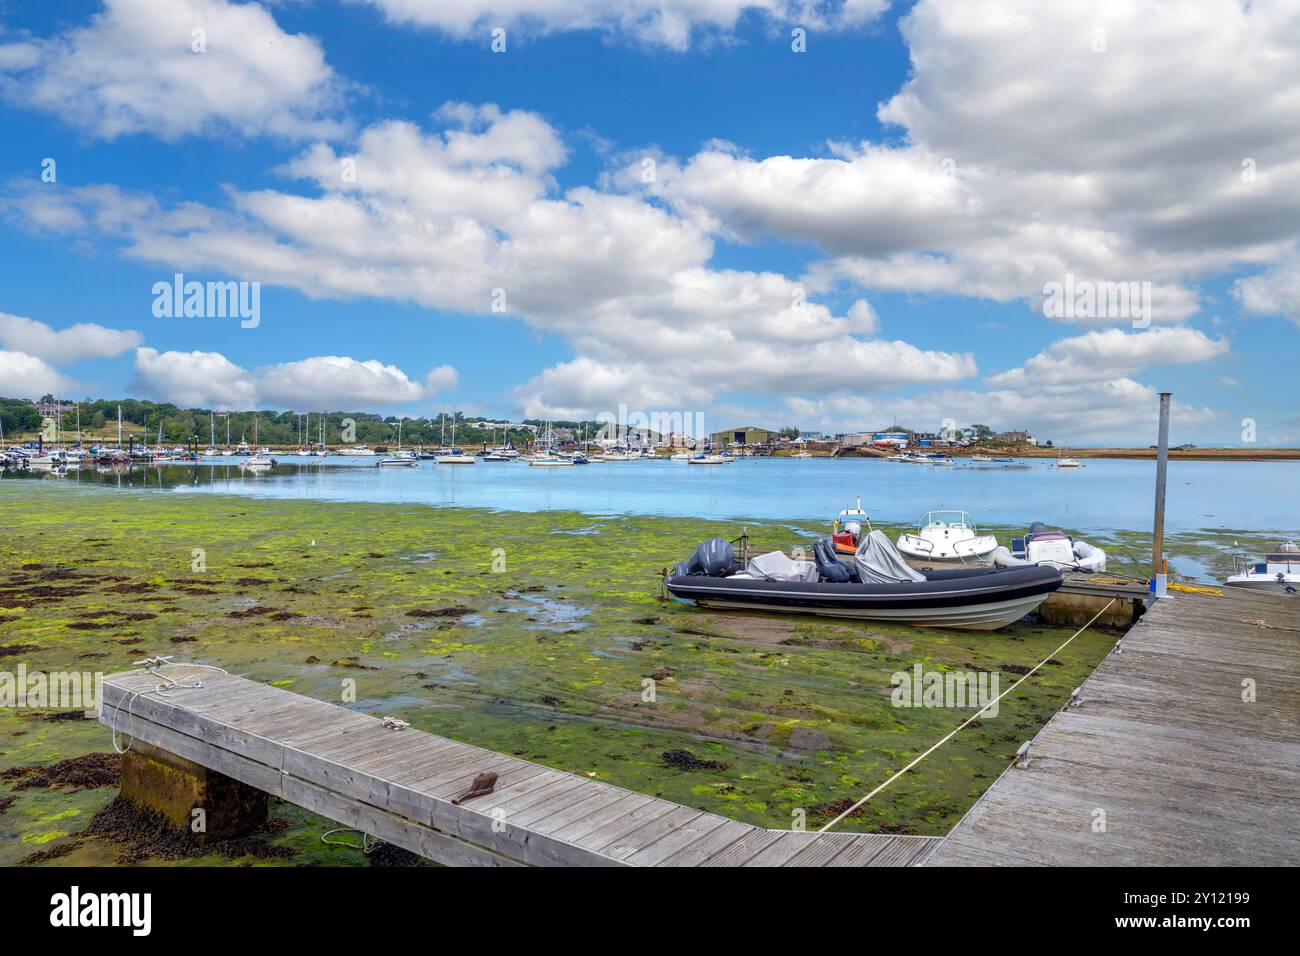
(968,598)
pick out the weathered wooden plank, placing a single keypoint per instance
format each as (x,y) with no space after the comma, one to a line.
(578,812)
(1185,771)
(592,822)
(648,832)
(780,852)
(744,849)
(711,844)
(390,827)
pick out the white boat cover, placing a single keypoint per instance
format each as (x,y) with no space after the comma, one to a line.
(778,566)
(878,562)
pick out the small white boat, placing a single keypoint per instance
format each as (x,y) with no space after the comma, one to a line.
(681,456)
(1045,546)
(551,461)
(620,456)
(947,536)
(360,451)
(258,461)
(708,460)
(1278,573)
(455,457)
(1067,461)
(401,459)
(211,452)
(980,458)
(801,454)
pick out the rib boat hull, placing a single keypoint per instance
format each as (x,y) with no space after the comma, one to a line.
(980,600)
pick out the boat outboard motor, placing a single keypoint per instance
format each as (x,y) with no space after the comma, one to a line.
(829,567)
(714,558)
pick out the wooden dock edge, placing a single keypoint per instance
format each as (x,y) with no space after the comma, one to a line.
(351,791)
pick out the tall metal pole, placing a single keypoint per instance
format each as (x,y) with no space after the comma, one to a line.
(1159,579)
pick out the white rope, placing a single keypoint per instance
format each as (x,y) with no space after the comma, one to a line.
(366,846)
(154,666)
(968,720)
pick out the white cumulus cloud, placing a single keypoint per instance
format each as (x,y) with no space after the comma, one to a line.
(85,340)
(134,68)
(670,23)
(327,382)
(26,376)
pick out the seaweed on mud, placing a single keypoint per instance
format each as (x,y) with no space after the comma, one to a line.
(679,759)
(387,855)
(12,650)
(132,587)
(142,834)
(257,610)
(50,853)
(76,773)
(455,610)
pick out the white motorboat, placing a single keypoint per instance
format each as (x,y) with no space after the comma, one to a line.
(947,536)
(1045,546)
(707,460)
(551,461)
(681,456)
(1278,573)
(359,451)
(399,460)
(455,457)
(258,461)
(51,459)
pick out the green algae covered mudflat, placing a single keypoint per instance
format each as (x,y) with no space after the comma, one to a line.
(528,633)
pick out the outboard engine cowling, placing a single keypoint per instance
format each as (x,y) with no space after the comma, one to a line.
(714,558)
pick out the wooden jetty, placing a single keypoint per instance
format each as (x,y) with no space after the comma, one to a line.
(397,784)
(1164,759)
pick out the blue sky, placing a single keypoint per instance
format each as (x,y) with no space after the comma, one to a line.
(916,176)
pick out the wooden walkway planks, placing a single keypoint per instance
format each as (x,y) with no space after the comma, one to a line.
(1185,770)
(397,785)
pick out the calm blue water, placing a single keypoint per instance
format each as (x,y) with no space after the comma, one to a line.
(1103,495)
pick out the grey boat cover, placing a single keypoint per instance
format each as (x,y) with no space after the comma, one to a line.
(879,563)
(777,566)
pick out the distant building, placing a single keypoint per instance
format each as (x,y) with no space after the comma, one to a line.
(746,435)
(1015,438)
